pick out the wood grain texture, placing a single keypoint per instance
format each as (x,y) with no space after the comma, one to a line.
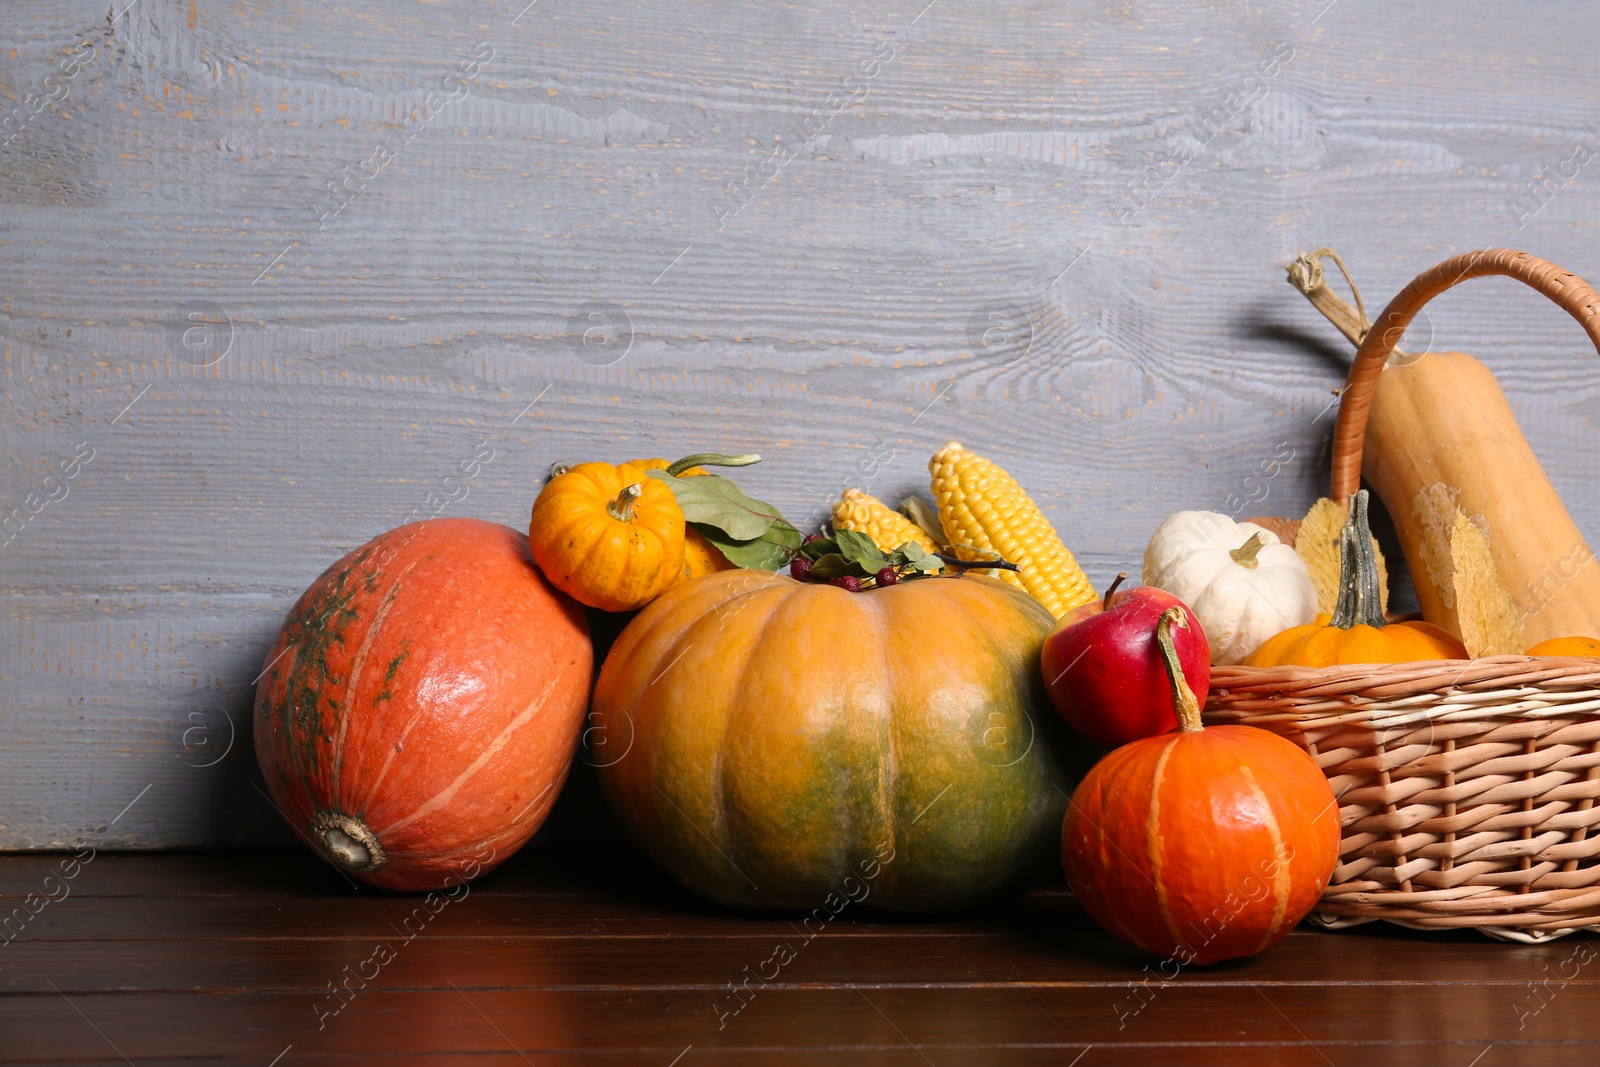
(581,182)
(587,955)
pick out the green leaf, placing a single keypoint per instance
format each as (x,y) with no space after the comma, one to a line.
(765,553)
(918,511)
(712,500)
(756,554)
(832,565)
(909,552)
(784,536)
(859,548)
(916,557)
(815,550)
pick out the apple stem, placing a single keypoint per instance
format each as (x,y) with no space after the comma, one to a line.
(1183,698)
(1122,576)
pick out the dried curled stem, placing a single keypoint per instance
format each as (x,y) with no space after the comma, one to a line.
(1306,275)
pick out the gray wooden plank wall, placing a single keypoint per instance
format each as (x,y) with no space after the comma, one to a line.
(616,228)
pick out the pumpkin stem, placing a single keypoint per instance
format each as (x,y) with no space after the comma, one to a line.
(1183,699)
(1122,576)
(1245,554)
(348,842)
(1306,275)
(1360,600)
(711,459)
(621,508)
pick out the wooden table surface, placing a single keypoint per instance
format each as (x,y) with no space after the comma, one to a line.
(586,954)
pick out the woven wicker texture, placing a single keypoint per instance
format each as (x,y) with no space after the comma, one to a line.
(1466,789)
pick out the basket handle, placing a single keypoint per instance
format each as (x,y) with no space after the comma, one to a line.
(1568,290)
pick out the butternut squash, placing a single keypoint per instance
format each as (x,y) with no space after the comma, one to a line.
(1440,435)
(1455,552)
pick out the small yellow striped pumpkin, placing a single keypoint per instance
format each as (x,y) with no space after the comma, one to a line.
(700,556)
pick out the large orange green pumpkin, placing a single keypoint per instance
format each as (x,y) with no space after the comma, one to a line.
(421,705)
(790,744)
(1202,844)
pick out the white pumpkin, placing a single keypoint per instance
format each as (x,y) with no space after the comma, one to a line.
(1241,582)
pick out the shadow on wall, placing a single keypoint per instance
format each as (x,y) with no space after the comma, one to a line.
(1262,325)
(218,743)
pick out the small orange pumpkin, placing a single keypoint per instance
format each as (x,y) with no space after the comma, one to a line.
(700,556)
(1202,844)
(608,536)
(1567,646)
(1356,632)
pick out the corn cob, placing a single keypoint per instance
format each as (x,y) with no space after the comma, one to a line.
(888,529)
(985,512)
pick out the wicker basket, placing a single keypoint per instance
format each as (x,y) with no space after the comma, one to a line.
(1466,789)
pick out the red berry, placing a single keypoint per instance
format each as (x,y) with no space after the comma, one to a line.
(849,582)
(888,576)
(810,538)
(799,567)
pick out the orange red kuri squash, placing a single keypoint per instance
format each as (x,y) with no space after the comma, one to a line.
(422,702)
(1203,844)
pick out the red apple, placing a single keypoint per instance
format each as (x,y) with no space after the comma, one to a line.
(1104,670)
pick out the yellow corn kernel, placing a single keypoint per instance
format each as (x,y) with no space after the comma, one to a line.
(888,529)
(985,512)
